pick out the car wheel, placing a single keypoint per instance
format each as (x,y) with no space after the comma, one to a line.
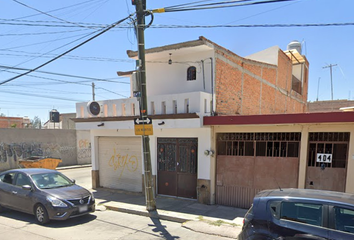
(41,214)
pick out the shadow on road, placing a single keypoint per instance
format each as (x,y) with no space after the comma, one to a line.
(30,219)
(161,229)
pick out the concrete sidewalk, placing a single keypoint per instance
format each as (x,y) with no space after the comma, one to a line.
(210,219)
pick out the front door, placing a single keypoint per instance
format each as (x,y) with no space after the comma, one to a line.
(330,173)
(177,167)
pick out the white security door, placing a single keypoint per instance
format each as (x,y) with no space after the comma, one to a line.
(120,163)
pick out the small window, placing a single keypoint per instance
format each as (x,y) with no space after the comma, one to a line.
(344,219)
(302,212)
(191,73)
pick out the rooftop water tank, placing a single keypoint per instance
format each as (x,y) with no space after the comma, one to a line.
(295,45)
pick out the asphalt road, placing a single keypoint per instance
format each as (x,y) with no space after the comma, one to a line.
(101,225)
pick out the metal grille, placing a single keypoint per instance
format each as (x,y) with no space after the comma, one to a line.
(335,143)
(259,144)
(77,201)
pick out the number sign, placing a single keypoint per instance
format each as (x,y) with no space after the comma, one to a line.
(324,158)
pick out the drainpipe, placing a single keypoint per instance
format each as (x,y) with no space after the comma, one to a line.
(203,74)
(212,113)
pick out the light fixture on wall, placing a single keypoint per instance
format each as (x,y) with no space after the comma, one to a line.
(161,123)
(100,125)
(170,60)
(209,152)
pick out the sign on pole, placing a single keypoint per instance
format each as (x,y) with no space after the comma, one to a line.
(143,126)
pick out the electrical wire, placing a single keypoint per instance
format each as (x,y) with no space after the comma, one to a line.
(228,4)
(47,14)
(66,52)
(66,75)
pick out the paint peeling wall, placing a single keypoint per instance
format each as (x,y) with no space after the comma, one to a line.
(17,144)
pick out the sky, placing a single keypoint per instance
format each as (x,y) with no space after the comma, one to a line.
(34,32)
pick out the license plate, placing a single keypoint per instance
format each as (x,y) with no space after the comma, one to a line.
(83,208)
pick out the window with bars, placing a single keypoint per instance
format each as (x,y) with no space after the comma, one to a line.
(259,144)
(334,143)
(191,73)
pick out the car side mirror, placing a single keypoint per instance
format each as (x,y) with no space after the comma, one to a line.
(27,187)
(73,180)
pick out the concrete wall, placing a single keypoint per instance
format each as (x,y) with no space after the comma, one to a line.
(83,144)
(17,144)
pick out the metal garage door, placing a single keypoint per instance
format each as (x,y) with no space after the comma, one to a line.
(120,163)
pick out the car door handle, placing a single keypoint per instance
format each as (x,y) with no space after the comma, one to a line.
(14,192)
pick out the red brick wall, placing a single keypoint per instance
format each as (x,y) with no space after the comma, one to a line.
(6,122)
(242,87)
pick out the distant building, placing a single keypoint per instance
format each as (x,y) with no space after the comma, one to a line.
(330,106)
(65,122)
(14,122)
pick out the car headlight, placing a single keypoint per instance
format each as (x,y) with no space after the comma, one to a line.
(56,202)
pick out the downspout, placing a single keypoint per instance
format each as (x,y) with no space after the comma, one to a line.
(203,74)
(212,113)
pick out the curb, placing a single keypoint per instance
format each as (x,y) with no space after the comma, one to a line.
(73,166)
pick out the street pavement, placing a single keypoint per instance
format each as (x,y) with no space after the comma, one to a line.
(216,220)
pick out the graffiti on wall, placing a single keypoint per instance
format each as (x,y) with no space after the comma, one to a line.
(16,151)
(122,162)
(84,151)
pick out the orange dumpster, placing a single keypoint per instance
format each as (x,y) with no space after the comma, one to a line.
(40,162)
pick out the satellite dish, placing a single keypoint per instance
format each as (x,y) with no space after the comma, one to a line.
(94,108)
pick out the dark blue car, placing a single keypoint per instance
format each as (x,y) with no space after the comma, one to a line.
(297,214)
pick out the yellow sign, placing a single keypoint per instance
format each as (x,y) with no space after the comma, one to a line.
(143,129)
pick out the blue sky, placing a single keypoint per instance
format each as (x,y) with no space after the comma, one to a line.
(28,39)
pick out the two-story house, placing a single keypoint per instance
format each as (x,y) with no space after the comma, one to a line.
(187,82)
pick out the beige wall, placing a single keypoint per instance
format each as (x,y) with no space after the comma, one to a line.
(17,144)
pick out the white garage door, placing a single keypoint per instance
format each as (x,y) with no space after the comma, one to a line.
(120,163)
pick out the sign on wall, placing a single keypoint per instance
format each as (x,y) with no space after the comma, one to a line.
(324,158)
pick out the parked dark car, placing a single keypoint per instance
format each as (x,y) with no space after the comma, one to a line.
(48,194)
(299,214)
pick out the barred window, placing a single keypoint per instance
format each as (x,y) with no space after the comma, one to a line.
(191,73)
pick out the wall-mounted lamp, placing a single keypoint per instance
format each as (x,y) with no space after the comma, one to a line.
(100,125)
(161,123)
(209,152)
(170,61)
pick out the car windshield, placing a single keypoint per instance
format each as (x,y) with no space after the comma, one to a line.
(51,180)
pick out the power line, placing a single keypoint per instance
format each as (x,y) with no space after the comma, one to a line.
(66,52)
(227,4)
(257,25)
(44,13)
(66,75)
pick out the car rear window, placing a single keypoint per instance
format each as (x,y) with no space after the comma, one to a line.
(302,212)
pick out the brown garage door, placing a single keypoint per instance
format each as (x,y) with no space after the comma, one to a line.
(250,162)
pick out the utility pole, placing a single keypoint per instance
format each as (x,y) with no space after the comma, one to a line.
(93,91)
(140,6)
(330,68)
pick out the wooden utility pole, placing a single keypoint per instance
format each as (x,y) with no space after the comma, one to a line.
(140,6)
(330,68)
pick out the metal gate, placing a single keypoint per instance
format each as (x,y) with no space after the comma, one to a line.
(322,175)
(177,167)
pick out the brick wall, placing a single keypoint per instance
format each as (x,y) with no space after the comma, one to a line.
(249,87)
(7,122)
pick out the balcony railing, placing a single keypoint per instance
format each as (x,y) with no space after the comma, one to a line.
(194,102)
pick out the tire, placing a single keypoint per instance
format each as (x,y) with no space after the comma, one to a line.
(41,214)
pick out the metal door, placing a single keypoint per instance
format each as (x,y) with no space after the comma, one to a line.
(177,166)
(327,176)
